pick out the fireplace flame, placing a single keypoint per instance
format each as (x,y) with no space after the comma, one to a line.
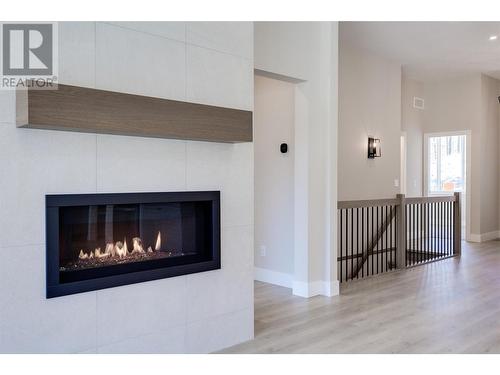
(120,249)
(137,246)
(158,242)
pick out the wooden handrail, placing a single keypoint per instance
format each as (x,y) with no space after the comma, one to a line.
(393,201)
(367,203)
(441,198)
(426,229)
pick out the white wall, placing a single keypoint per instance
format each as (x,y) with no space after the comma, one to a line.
(199,62)
(452,105)
(490,90)
(274,113)
(412,122)
(369,106)
(463,103)
(308,51)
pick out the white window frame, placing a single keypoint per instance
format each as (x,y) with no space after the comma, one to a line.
(468,156)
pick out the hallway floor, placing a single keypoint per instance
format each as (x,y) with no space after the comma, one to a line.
(451,306)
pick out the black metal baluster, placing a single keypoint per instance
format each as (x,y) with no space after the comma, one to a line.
(448,247)
(429,230)
(421,233)
(434,247)
(395,236)
(453,228)
(382,209)
(352,239)
(405,219)
(346,242)
(439,230)
(431,242)
(414,231)
(367,241)
(372,245)
(424,230)
(387,223)
(409,235)
(357,240)
(362,239)
(341,231)
(443,229)
(392,238)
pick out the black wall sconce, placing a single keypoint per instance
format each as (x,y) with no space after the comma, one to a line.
(374,149)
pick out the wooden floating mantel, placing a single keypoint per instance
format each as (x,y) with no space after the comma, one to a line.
(81,109)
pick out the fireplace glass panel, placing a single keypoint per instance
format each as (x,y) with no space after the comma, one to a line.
(105,240)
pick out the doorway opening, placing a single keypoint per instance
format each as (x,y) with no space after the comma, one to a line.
(446,169)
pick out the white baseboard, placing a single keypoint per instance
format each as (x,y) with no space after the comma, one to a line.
(316,288)
(483,237)
(300,288)
(273,277)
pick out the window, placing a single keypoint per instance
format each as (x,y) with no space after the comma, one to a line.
(446,164)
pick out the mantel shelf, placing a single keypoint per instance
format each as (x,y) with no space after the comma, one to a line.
(82,109)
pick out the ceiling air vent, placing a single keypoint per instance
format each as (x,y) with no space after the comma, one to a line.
(418,103)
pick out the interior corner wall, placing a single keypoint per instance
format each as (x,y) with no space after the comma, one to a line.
(274,116)
(453,105)
(490,90)
(369,106)
(201,62)
(303,51)
(412,122)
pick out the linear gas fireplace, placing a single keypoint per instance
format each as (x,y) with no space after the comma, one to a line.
(97,241)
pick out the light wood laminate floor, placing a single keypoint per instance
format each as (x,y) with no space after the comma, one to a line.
(450,306)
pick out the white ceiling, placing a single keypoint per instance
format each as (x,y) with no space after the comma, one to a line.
(430,50)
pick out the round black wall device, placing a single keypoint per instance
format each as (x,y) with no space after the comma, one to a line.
(284,148)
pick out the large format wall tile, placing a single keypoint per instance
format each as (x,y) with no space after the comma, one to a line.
(77,53)
(229,289)
(171,30)
(130,164)
(220,332)
(139,309)
(138,63)
(29,323)
(170,341)
(230,37)
(7,106)
(218,79)
(148,317)
(35,163)
(228,168)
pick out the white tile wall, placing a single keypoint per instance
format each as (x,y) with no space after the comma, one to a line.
(138,63)
(29,322)
(225,167)
(193,313)
(171,30)
(230,37)
(126,164)
(35,163)
(219,332)
(169,341)
(235,295)
(7,106)
(140,309)
(215,78)
(77,53)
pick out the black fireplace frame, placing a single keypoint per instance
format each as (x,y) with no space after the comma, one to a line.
(52,204)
